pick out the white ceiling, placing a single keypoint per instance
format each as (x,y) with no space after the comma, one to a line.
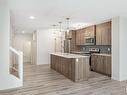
(49,12)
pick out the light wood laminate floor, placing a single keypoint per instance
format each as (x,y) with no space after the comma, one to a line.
(41,80)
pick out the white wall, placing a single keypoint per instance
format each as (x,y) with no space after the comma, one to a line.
(123,48)
(119,48)
(115,49)
(7,81)
(4,40)
(46,45)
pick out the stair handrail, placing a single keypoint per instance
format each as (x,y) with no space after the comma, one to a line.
(20,62)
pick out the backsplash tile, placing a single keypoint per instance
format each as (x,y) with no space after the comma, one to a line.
(103,48)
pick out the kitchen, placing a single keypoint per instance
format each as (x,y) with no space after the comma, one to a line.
(85,50)
(85,56)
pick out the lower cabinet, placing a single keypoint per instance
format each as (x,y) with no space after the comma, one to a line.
(101,64)
(72,68)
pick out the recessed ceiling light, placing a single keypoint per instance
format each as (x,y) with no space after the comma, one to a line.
(23,32)
(31,17)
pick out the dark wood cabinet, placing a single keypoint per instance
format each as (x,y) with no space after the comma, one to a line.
(73,46)
(78,37)
(90,32)
(107,65)
(82,37)
(101,64)
(83,34)
(103,34)
(101,31)
(72,37)
(76,69)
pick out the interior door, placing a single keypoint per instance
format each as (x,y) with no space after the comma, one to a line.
(27,51)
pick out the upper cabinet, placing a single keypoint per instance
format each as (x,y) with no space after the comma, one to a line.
(83,34)
(78,37)
(90,32)
(103,34)
(73,41)
(72,36)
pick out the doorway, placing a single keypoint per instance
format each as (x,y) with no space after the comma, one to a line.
(27,53)
(25,43)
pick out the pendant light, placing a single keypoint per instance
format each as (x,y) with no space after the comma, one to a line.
(68,38)
(54,35)
(61,36)
(68,22)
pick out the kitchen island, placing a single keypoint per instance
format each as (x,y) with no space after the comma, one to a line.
(72,66)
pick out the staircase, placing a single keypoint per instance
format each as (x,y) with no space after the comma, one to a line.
(15,77)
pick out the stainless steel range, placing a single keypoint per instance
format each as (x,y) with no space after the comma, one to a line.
(93,50)
(88,53)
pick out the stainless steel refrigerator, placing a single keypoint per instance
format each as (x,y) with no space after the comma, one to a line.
(67,46)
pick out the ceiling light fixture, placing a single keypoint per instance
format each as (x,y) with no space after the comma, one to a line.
(32,17)
(54,29)
(60,23)
(54,34)
(61,36)
(68,34)
(68,19)
(68,28)
(23,32)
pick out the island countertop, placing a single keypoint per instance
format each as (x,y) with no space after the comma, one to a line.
(68,55)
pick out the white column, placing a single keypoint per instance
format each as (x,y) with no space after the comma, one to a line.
(123,48)
(4,40)
(119,48)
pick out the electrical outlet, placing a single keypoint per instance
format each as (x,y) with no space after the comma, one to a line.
(83,48)
(109,49)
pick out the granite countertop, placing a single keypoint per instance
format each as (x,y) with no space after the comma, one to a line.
(68,55)
(103,54)
(79,52)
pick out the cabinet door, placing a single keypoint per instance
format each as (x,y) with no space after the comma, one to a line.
(107,65)
(103,34)
(99,66)
(57,63)
(109,33)
(98,35)
(93,62)
(52,61)
(67,67)
(97,63)
(106,34)
(90,32)
(70,68)
(73,41)
(109,71)
(63,66)
(78,37)
(82,37)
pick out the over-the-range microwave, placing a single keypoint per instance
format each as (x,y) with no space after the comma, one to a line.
(90,41)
